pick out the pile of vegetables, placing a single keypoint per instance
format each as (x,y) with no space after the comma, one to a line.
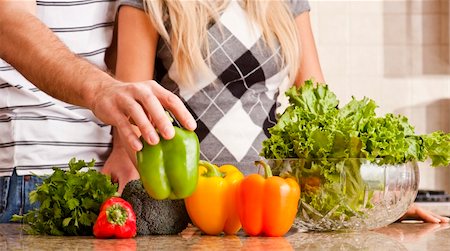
(330,140)
(176,187)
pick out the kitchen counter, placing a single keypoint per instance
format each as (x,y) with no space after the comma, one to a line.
(398,236)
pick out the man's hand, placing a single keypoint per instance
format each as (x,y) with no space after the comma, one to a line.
(122,104)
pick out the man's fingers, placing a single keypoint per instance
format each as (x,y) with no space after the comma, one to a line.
(140,119)
(176,106)
(143,104)
(158,116)
(126,131)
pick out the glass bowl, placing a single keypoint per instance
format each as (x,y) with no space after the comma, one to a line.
(350,194)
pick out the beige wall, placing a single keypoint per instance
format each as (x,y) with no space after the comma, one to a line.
(395,52)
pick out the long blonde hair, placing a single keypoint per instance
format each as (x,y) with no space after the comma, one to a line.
(183,24)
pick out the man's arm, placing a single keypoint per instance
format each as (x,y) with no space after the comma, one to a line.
(31,47)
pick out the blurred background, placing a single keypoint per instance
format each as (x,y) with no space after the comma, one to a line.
(393,51)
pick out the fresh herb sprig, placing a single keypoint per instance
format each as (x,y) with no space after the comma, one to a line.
(69,200)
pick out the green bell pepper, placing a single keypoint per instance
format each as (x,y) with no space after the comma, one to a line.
(169,169)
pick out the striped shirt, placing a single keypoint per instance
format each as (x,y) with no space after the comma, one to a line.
(38,132)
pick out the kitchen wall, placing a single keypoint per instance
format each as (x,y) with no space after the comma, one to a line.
(395,52)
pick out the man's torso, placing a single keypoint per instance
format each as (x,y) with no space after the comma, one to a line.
(38,131)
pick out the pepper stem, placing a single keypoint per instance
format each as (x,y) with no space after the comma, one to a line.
(212,170)
(267,169)
(116,214)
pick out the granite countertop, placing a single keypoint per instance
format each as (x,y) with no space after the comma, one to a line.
(397,236)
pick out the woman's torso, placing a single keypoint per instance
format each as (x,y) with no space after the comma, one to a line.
(234,102)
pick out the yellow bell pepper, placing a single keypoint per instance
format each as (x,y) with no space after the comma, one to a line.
(212,206)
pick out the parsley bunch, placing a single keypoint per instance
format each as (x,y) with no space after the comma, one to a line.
(69,200)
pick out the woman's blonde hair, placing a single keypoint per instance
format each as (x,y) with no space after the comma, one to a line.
(183,24)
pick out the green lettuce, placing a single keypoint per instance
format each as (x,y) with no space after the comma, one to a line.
(333,140)
(313,126)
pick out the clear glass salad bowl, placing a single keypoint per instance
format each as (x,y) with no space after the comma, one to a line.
(351,193)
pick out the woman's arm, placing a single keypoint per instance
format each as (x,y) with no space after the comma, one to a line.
(309,59)
(136,45)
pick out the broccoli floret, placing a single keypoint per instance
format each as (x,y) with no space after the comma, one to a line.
(155,217)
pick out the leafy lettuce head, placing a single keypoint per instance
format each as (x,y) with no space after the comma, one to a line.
(314,126)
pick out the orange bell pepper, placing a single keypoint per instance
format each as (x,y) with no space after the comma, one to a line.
(212,206)
(267,206)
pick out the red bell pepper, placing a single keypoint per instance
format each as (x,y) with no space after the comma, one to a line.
(116,219)
(267,206)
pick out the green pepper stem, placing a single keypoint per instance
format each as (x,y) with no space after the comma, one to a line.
(116,214)
(212,170)
(267,169)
